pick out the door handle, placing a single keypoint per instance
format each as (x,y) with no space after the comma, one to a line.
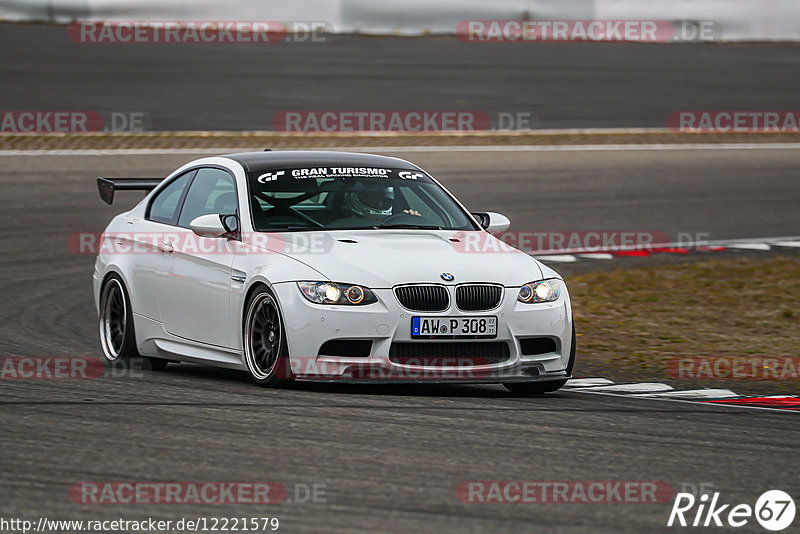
(167,247)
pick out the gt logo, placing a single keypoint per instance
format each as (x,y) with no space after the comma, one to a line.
(270,176)
(408,175)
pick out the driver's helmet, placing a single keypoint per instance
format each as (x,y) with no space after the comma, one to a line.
(371,203)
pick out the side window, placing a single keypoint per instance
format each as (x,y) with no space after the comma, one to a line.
(164,207)
(212,191)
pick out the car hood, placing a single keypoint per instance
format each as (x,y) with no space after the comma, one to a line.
(385,258)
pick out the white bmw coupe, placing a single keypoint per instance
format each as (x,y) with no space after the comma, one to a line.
(326,266)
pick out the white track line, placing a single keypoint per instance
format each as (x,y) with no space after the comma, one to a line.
(642,387)
(670,399)
(749,246)
(558,258)
(486,148)
(597,256)
(573,148)
(587,382)
(698,394)
(128,151)
(767,240)
(749,243)
(656,391)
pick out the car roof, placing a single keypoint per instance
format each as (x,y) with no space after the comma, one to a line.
(268,160)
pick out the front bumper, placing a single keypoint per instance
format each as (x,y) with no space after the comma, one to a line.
(310,325)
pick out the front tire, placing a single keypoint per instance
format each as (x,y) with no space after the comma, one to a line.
(540,388)
(264,341)
(117,334)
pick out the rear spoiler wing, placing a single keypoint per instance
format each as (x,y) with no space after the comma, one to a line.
(107,186)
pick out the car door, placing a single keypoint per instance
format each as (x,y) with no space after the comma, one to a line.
(152,262)
(194,298)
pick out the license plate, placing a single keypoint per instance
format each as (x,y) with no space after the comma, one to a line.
(453,327)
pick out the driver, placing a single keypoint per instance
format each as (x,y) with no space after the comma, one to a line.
(374,204)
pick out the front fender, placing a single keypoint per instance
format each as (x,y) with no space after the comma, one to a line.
(267,268)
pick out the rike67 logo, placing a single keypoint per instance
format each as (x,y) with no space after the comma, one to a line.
(774,510)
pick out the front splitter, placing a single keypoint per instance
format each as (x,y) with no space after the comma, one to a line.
(373,375)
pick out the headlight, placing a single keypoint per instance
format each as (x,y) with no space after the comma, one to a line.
(541,291)
(334,293)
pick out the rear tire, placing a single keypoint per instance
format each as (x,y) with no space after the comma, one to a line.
(117,334)
(540,388)
(264,341)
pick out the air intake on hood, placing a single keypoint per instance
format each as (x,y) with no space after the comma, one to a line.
(427,298)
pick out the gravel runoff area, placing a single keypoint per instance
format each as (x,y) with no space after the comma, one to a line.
(637,321)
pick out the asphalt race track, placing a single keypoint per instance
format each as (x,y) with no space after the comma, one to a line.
(242,86)
(389,458)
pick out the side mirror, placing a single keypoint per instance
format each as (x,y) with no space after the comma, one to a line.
(492,222)
(208,226)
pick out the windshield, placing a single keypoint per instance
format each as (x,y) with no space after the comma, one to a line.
(339,198)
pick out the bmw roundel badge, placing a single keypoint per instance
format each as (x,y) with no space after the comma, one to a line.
(447,277)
